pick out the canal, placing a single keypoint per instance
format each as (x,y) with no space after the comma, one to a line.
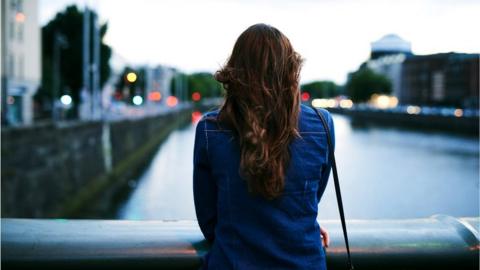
(384,173)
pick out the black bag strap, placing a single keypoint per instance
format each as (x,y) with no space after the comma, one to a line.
(337,185)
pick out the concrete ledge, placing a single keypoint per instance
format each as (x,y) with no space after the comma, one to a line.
(438,242)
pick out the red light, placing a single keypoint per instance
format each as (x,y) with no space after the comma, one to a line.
(118,96)
(172,101)
(155,96)
(305,96)
(196,115)
(196,96)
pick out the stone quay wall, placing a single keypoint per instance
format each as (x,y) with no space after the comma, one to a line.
(75,169)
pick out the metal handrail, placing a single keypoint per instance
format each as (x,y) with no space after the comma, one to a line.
(437,242)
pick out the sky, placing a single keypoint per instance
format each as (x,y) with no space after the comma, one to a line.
(333,36)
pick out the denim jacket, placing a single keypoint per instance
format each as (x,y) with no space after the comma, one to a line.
(247,231)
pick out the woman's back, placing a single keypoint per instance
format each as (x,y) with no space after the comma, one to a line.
(248,231)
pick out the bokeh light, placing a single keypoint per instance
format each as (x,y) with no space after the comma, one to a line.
(131,77)
(172,101)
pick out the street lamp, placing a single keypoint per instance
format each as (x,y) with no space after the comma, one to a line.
(59,42)
(137,100)
(131,77)
(66,100)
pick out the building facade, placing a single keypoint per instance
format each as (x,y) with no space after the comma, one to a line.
(391,67)
(444,79)
(21,60)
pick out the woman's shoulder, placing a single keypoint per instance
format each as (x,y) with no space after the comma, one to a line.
(209,120)
(211,114)
(309,120)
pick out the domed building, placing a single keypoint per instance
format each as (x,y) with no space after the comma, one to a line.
(388,45)
(441,79)
(387,56)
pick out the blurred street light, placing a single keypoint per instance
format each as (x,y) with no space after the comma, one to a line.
(66,100)
(383,101)
(324,103)
(131,77)
(155,96)
(20,17)
(305,96)
(413,109)
(172,101)
(196,116)
(137,100)
(346,103)
(196,96)
(458,112)
(59,42)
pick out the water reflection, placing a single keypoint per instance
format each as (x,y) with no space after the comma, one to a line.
(384,173)
(164,191)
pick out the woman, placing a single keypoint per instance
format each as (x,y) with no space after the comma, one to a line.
(260,162)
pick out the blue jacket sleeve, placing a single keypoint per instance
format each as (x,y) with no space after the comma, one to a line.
(204,187)
(328,166)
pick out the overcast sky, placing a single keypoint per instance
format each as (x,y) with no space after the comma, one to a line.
(333,36)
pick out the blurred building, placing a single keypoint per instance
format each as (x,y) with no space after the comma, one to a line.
(446,79)
(159,80)
(387,56)
(21,59)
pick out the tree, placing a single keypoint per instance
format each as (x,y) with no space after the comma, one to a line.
(179,80)
(363,83)
(69,26)
(205,84)
(321,89)
(201,82)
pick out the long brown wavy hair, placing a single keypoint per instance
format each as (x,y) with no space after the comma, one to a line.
(262,105)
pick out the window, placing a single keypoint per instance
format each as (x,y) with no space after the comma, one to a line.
(11,66)
(11,30)
(438,86)
(13,5)
(16,5)
(20,30)
(19,5)
(21,67)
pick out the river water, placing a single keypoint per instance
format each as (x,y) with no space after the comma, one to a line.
(384,173)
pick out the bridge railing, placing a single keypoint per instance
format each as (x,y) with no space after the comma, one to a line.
(437,242)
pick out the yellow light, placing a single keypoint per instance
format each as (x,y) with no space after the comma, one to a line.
(332,103)
(320,103)
(324,103)
(131,77)
(458,112)
(393,102)
(383,101)
(413,110)
(346,103)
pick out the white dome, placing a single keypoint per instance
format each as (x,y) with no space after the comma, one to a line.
(391,43)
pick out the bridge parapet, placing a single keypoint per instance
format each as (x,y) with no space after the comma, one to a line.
(437,242)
